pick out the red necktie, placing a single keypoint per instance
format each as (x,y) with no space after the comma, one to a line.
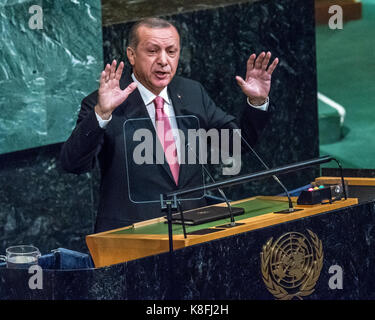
(164,132)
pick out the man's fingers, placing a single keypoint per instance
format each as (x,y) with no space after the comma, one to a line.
(272,67)
(112,73)
(259,60)
(107,71)
(119,71)
(102,79)
(241,82)
(104,76)
(129,89)
(266,60)
(250,62)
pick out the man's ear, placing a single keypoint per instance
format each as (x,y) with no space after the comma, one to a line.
(131,55)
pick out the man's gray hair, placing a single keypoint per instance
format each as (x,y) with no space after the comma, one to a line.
(156,23)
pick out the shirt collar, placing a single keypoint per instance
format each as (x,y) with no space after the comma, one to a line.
(147,96)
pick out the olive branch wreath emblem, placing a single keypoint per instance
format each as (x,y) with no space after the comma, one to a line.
(312,274)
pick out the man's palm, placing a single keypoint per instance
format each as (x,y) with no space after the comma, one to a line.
(258,77)
(110,95)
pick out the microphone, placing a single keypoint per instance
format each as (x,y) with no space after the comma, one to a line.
(232,221)
(291,208)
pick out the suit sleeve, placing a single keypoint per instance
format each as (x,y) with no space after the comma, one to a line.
(79,152)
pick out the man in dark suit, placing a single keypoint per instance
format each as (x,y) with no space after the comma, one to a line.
(152,89)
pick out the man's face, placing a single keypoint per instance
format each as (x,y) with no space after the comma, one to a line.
(155,59)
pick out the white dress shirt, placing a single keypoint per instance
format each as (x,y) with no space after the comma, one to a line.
(148,98)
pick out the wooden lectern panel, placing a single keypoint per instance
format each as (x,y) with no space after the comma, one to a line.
(151,237)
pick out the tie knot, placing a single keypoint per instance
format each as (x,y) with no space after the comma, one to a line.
(159,102)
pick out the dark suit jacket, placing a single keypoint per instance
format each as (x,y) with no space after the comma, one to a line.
(88,143)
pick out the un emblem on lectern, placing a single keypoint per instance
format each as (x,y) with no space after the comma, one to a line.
(291,265)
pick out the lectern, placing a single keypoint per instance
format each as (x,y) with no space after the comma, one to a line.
(151,237)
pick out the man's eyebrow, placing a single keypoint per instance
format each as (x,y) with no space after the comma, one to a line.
(151,43)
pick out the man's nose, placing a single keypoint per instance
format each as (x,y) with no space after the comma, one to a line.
(162,59)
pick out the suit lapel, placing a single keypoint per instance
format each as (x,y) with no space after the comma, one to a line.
(133,107)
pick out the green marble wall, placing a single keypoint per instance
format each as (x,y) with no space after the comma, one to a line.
(45,73)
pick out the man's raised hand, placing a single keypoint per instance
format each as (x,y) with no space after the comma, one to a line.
(257,84)
(110,95)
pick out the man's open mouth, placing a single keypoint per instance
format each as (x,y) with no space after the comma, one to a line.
(161,74)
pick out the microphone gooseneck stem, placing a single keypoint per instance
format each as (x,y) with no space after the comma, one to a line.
(342,178)
(291,208)
(232,221)
(179,205)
